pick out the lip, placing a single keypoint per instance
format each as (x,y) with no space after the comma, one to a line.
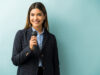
(36,22)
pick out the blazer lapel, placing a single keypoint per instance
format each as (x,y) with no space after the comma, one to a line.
(29,34)
(45,39)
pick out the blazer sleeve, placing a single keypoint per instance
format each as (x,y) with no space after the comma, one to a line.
(56,59)
(19,56)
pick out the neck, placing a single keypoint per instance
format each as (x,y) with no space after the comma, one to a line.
(39,29)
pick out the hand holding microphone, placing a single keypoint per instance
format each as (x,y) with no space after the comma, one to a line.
(33,40)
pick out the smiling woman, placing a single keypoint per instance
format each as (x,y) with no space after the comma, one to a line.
(36,54)
(37,12)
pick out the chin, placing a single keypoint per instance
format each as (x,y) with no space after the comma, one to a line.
(36,25)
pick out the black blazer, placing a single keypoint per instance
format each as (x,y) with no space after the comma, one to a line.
(27,60)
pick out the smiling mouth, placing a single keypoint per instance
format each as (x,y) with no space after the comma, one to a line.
(36,22)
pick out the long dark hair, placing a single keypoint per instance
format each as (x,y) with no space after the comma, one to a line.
(41,7)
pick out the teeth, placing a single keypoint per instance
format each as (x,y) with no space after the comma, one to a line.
(36,21)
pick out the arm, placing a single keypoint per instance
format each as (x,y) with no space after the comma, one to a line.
(55,59)
(19,56)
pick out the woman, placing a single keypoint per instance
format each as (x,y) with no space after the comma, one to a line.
(36,54)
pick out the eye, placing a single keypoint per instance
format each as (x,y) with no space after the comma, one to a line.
(32,14)
(39,14)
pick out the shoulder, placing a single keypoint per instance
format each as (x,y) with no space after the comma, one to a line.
(52,36)
(20,33)
(52,39)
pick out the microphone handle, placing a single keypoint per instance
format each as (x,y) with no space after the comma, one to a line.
(34,34)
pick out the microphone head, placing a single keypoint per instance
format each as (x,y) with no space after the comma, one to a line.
(34,33)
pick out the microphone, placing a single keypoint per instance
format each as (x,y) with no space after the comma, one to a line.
(34,33)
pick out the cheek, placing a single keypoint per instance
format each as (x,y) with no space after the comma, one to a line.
(31,17)
(42,19)
(30,20)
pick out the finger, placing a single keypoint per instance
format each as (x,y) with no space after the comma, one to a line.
(34,41)
(33,38)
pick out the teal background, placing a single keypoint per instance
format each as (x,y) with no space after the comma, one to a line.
(75,23)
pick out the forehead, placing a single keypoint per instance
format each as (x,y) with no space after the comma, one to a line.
(36,10)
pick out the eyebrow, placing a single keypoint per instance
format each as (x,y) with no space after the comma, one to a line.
(37,13)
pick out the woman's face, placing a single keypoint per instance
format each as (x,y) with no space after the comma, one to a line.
(36,17)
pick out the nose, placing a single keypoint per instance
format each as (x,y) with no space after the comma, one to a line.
(35,17)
